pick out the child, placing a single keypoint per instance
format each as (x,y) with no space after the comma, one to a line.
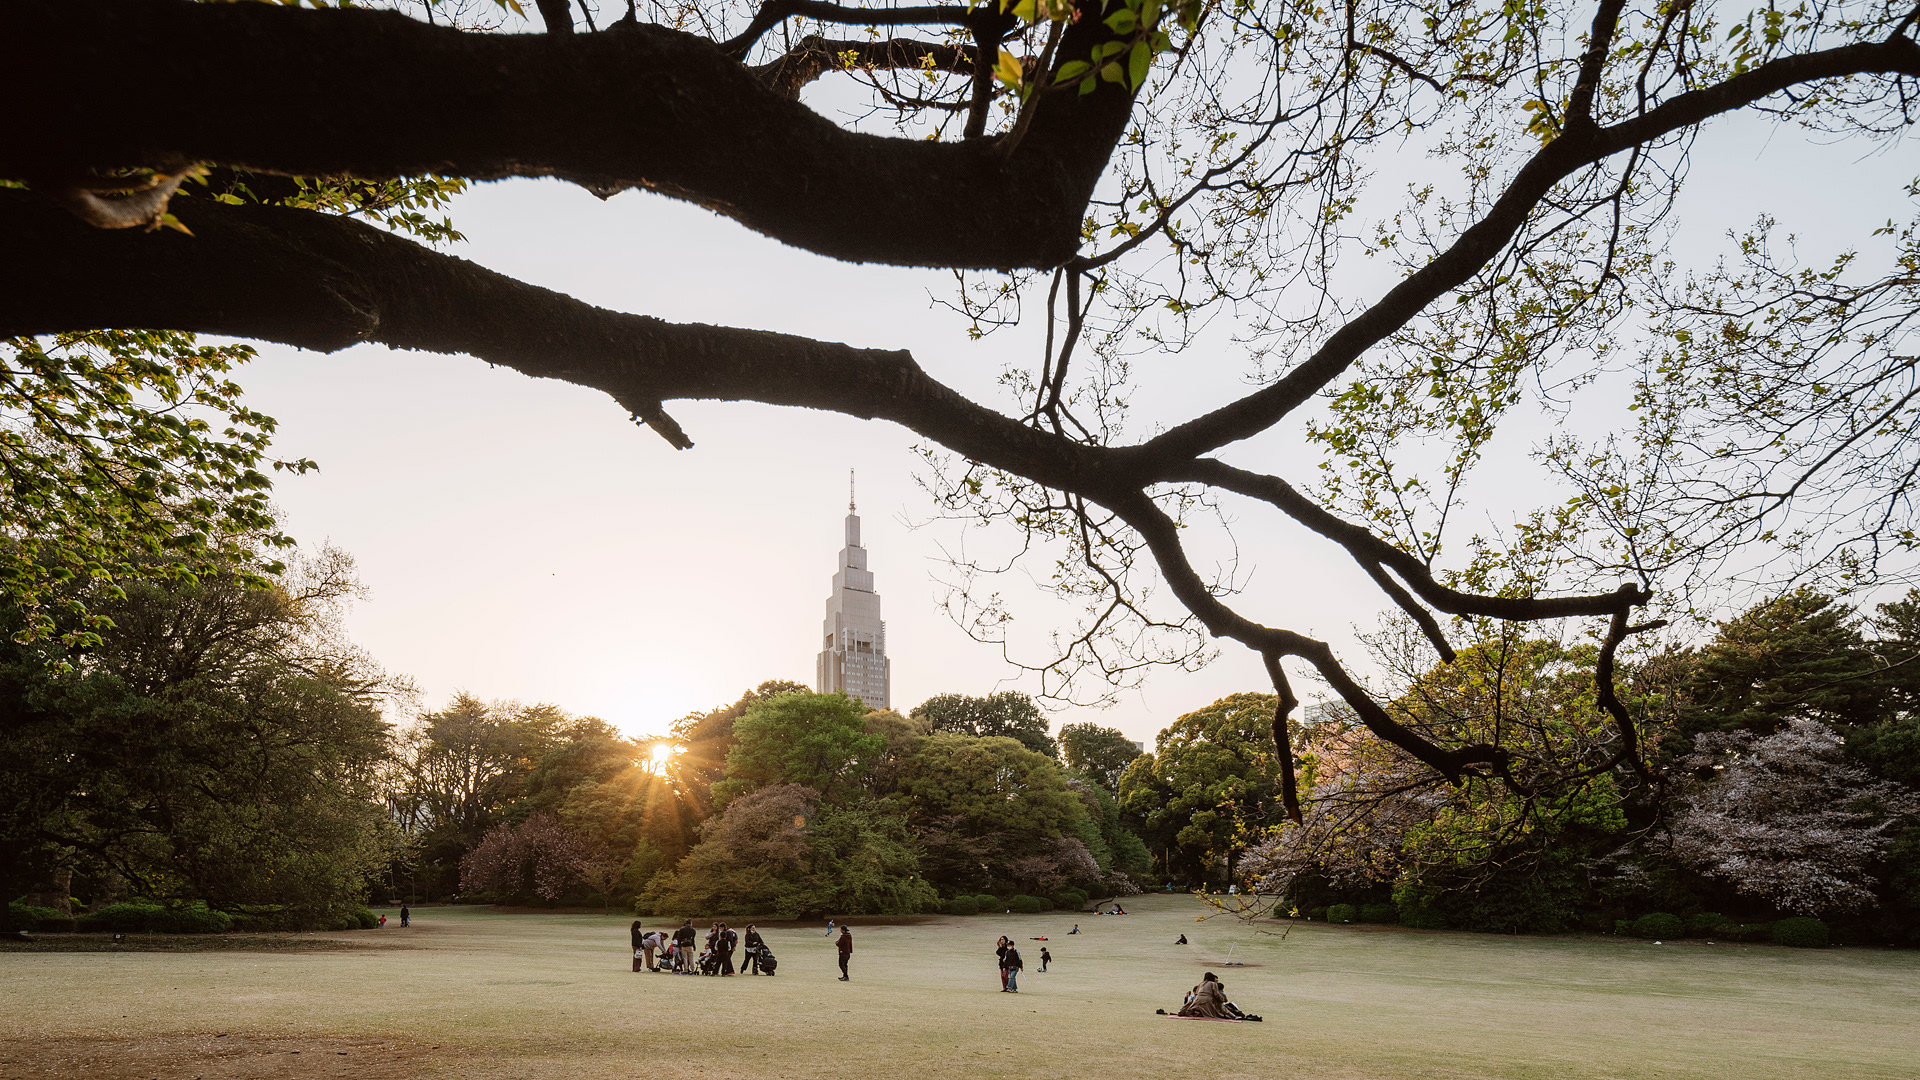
(1044,957)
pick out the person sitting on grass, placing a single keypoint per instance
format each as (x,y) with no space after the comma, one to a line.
(1209,1001)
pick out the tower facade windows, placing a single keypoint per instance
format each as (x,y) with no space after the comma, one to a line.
(853,656)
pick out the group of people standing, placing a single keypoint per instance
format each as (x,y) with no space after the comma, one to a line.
(676,951)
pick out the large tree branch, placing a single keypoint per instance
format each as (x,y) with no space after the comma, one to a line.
(1162,536)
(773,11)
(376,95)
(1373,553)
(1580,146)
(814,56)
(323,282)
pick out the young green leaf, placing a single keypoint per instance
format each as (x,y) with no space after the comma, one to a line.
(1008,69)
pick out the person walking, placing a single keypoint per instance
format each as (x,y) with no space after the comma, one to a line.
(728,939)
(683,946)
(754,943)
(406,916)
(1045,958)
(640,947)
(1012,961)
(1000,948)
(845,945)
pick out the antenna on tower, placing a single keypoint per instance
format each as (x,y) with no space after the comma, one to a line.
(849,491)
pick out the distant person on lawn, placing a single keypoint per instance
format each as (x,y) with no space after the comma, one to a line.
(845,945)
(642,948)
(406,916)
(1011,961)
(1000,948)
(683,946)
(1045,958)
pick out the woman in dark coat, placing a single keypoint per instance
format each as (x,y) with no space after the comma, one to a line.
(754,943)
(1004,945)
(636,934)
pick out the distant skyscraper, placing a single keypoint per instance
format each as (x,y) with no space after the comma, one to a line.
(854,658)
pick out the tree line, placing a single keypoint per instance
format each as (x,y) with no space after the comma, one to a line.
(222,743)
(1781,781)
(215,741)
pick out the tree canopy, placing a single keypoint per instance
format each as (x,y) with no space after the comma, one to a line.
(1210,789)
(217,742)
(1009,714)
(1099,753)
(1182,180)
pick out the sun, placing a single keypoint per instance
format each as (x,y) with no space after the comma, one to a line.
(660,759)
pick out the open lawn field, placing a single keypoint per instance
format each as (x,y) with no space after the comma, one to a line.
(470,993)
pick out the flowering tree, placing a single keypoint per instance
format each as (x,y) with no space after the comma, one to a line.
(1789,819)
(539,857)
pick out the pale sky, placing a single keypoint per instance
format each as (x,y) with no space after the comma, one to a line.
(522,539)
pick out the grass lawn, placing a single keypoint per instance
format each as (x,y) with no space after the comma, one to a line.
(469,993)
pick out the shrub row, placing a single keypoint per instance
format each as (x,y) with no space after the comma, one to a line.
(138,918)
(1354,913)
(190,918)
(1798,932)
(1019,905)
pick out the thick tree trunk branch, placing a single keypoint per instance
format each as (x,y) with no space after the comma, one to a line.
(377,95)
(557,15)
(773,11)
(1580,146)
(324,283)
(815,56)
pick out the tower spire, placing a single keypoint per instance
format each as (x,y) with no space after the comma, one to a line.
(849,491)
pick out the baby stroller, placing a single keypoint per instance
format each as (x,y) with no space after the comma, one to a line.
(709,963)
(764,960)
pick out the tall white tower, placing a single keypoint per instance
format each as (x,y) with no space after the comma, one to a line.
(854,656)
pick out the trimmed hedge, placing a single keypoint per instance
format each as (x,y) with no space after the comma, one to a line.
(31,916)
(1342,913)
(1029,905)
(1657,924)
(963,905)
(193,918)
(1070,899)
(1379,913)
(989,902)
(1423,918)
(1801,932)
(1710,924)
